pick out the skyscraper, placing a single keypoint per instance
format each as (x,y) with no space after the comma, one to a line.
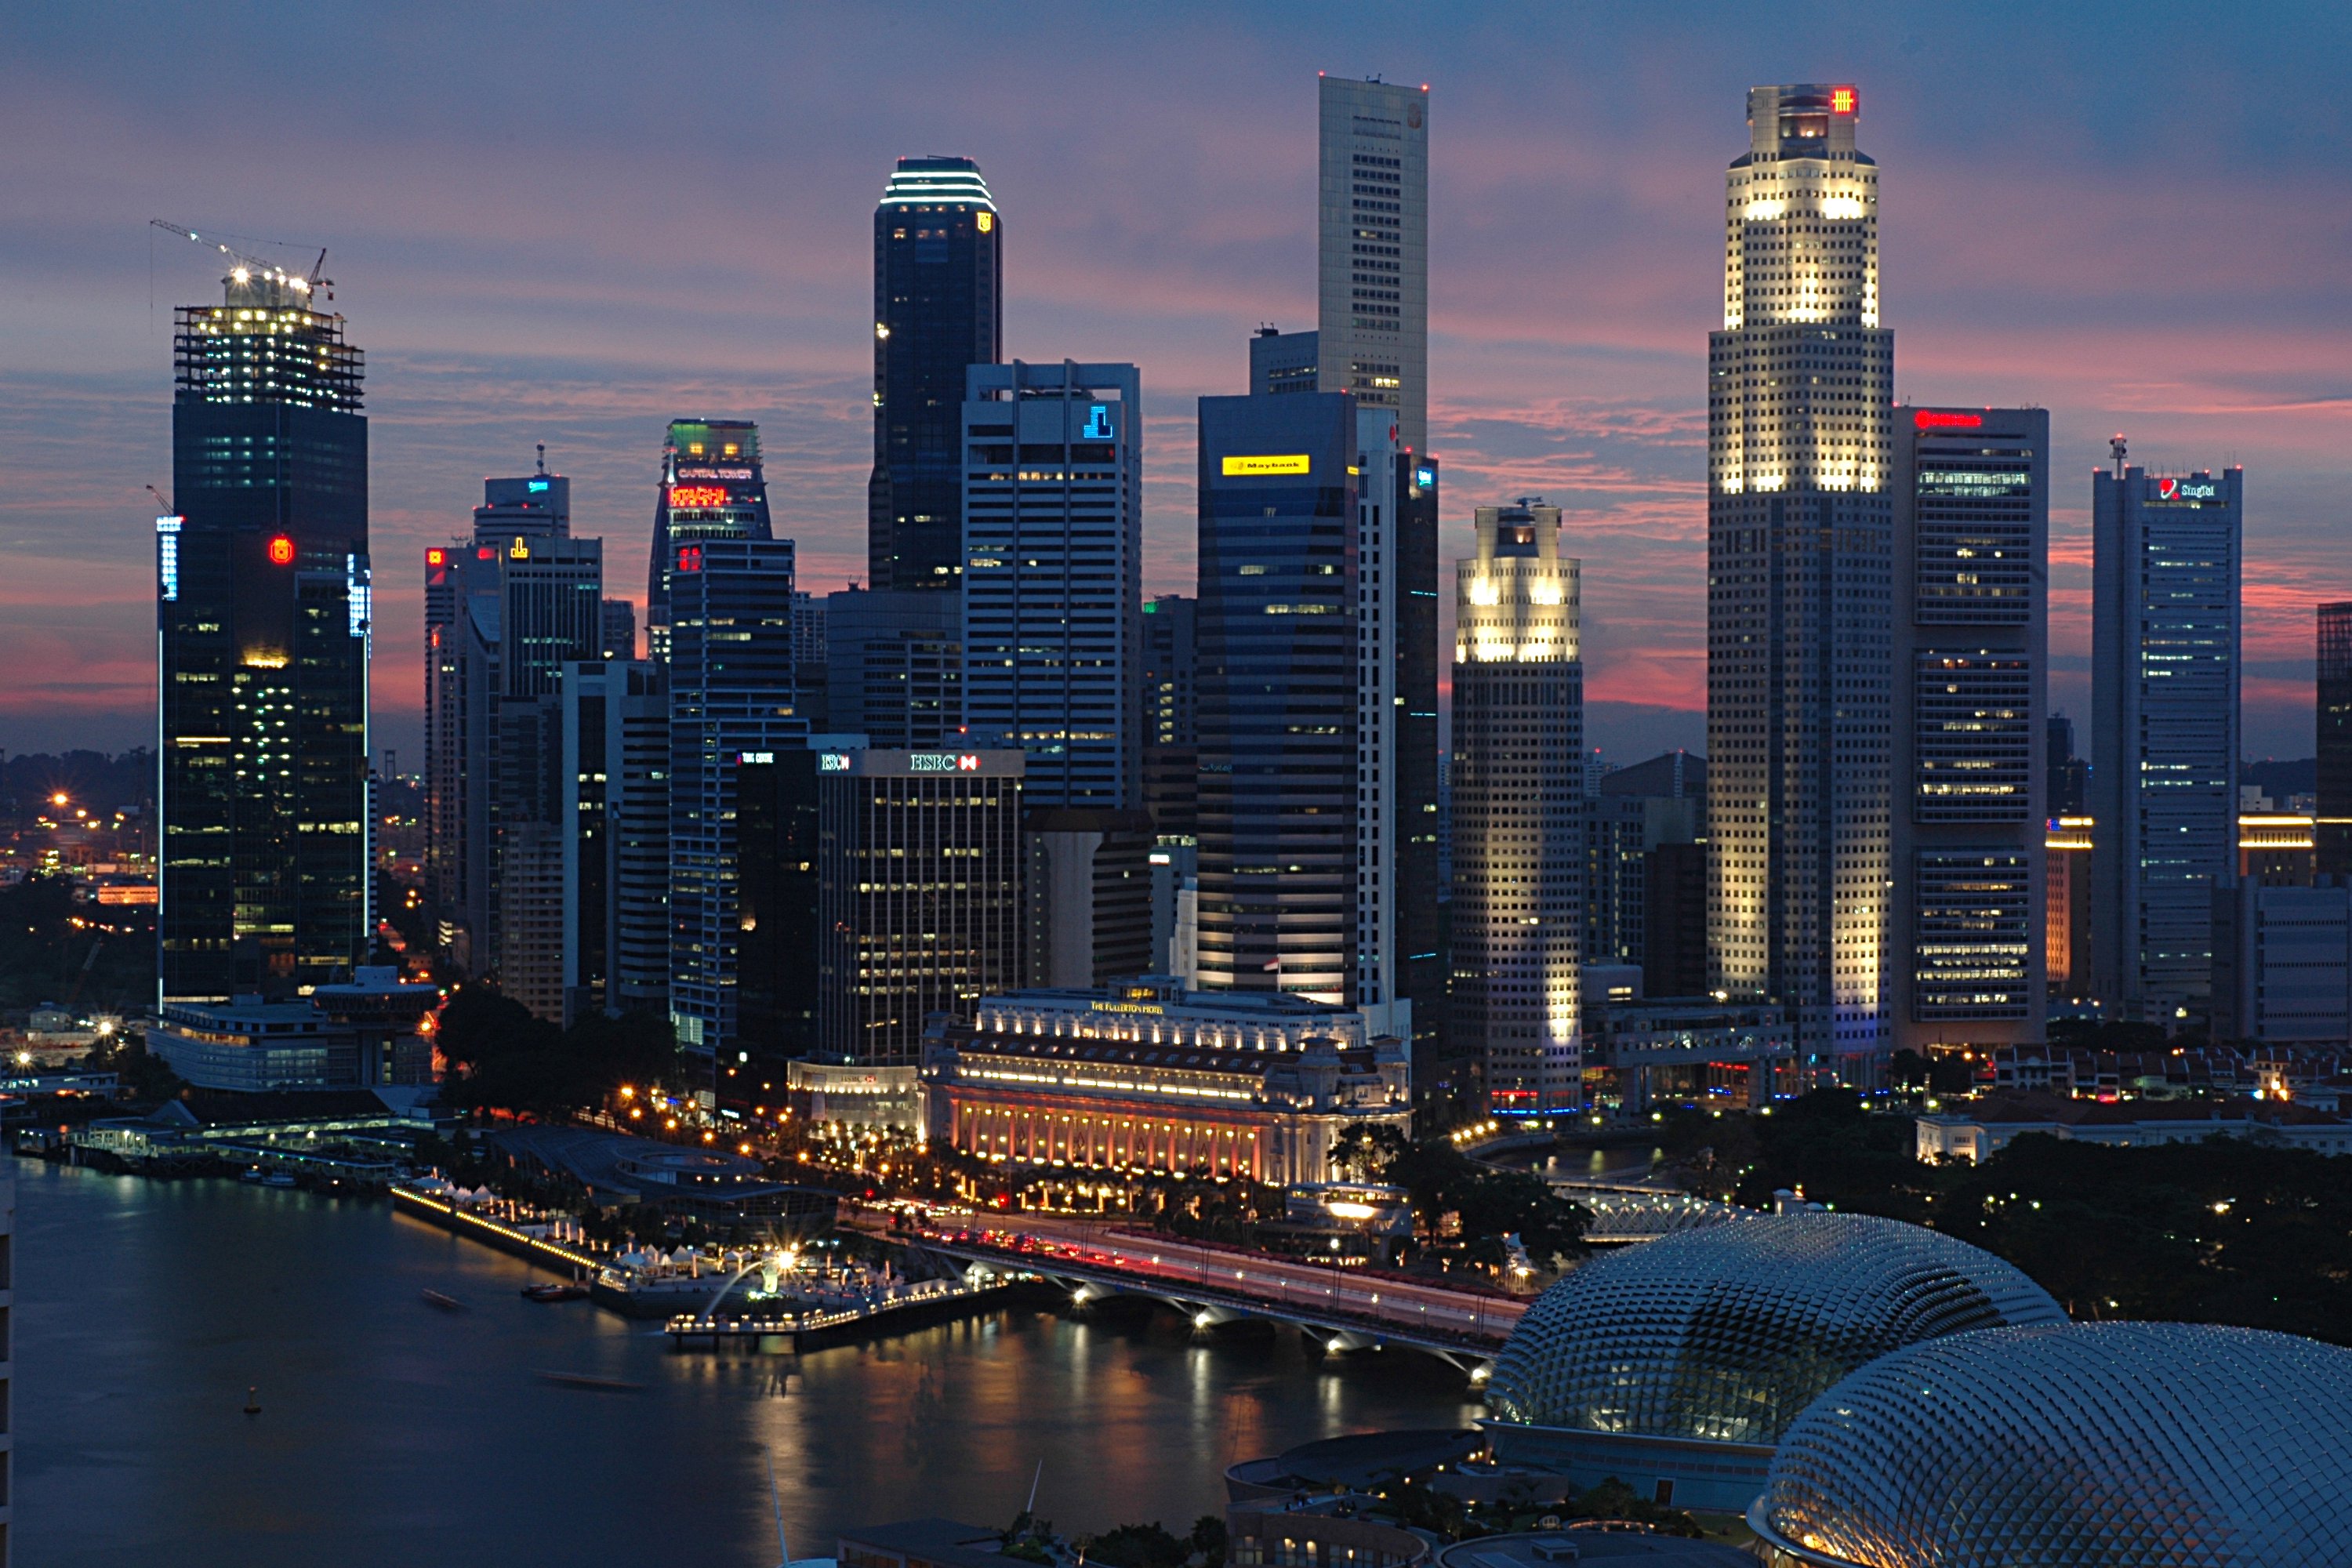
(2164,725)
(938,297)
(712,488)
(1277,693)
(1518,810)
(615,776)
(732,703)
(2333,829)
(894,667)
(1172,715)
(262,636)
(1372,326)
(1971,656)
(1799,552)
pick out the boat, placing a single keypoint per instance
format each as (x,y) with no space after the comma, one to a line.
(547,1290)
(278,1179)
(251,1175)
(447,1303)
(590,1381)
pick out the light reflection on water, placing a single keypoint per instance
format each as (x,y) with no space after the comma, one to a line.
(393,1433)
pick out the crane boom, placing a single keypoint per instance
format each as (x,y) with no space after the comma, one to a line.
(244,268)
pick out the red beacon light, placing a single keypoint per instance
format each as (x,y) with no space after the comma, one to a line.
(281,550)
(436,557)
(1842,101)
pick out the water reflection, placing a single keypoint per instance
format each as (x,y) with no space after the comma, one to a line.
(392,1433)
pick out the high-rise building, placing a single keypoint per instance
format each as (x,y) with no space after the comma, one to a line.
(712,487)
(812,656)
(2066,911)
(615,783)
(1673,921)
(1372,323)
(1518,812)
(777,852)
(2164,563)
(1971,666)
(1376,986)
(2335,783)
(1628,814)
(1280,364)
(1172,727)
(919,863)
(262,636)
(1800,571)
(620,638)
(894,667)
(1278,525)
(938,307)
(2066,785)
(505,611)
(732,701)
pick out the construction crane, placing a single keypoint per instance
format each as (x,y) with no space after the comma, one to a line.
(244,269)
(164,501)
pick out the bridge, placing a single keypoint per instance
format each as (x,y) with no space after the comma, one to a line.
(1340,1309)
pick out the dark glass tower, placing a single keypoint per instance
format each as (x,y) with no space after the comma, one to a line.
(262,648)
(712,488)
(938,307)
(2334,842)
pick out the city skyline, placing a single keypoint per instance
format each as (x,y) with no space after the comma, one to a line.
(2216,344)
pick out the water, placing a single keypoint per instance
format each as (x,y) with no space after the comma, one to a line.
(393,1433)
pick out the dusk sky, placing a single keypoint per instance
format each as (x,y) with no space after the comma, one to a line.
(572,228)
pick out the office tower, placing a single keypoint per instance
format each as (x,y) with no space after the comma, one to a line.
(1970,731)
(1518,809)
(1376,986)
(2067,778)
(731,700)
(1372,325)
(812,659)
(777,977)
(262,631)
(614,781)
(505,612)
(938,307)
(2164,732)
(2066,908)
(1171,729)
(1799,535)
(2283,964)
(1629,812)
(2334,694)
(1053,646)
(894,667)
(1673,921)
(619,630)
(918,896)
(1280,364)
(712,487)
(1278,694)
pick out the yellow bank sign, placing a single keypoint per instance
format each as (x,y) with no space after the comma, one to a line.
(1295,463)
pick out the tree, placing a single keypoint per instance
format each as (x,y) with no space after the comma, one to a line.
(1364,1153)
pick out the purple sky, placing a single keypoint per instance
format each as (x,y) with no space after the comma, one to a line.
(570,230)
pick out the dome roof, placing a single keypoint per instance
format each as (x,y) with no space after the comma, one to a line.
(1725,1334)
(2149,1444)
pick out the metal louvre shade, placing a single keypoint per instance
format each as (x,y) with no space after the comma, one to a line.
(1726,1334)
(2091,1446)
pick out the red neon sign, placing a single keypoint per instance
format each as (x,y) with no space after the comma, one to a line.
(281,550)
(689,558)
(485,554)
(1930,419)
(1841,101)
(697,495)
(967,764)
(436,557)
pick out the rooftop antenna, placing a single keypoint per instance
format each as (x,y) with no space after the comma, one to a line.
(2116,450)
(542,456)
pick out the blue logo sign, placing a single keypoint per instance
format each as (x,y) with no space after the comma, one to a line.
(1424,478)
(537,485)
(1098,425)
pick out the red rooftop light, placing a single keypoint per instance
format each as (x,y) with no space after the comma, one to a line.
(281,550)
(436,557)
(1930,419)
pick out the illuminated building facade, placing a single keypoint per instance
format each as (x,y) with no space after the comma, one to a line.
(1150,1077)
(1278,526)
(1518,812)
(919,872)
(712,487)
(1801,577)
(2164,762)
(2066,908)
(1971,665)
(732,700)
(262,634)
(938,307)
(2334,694)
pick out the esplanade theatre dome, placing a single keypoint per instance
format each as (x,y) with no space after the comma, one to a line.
(1725,1333)
(2152,1445)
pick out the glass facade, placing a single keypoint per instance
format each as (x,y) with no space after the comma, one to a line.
(262,624)
(2335,693)
(2157,1445)
(938,307)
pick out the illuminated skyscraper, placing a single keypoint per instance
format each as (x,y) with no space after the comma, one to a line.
(262,625)
(1799,550)
(1971,741)
(1518,812)
(2335,693)
(712,488)
(938,308)
(2165,561)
